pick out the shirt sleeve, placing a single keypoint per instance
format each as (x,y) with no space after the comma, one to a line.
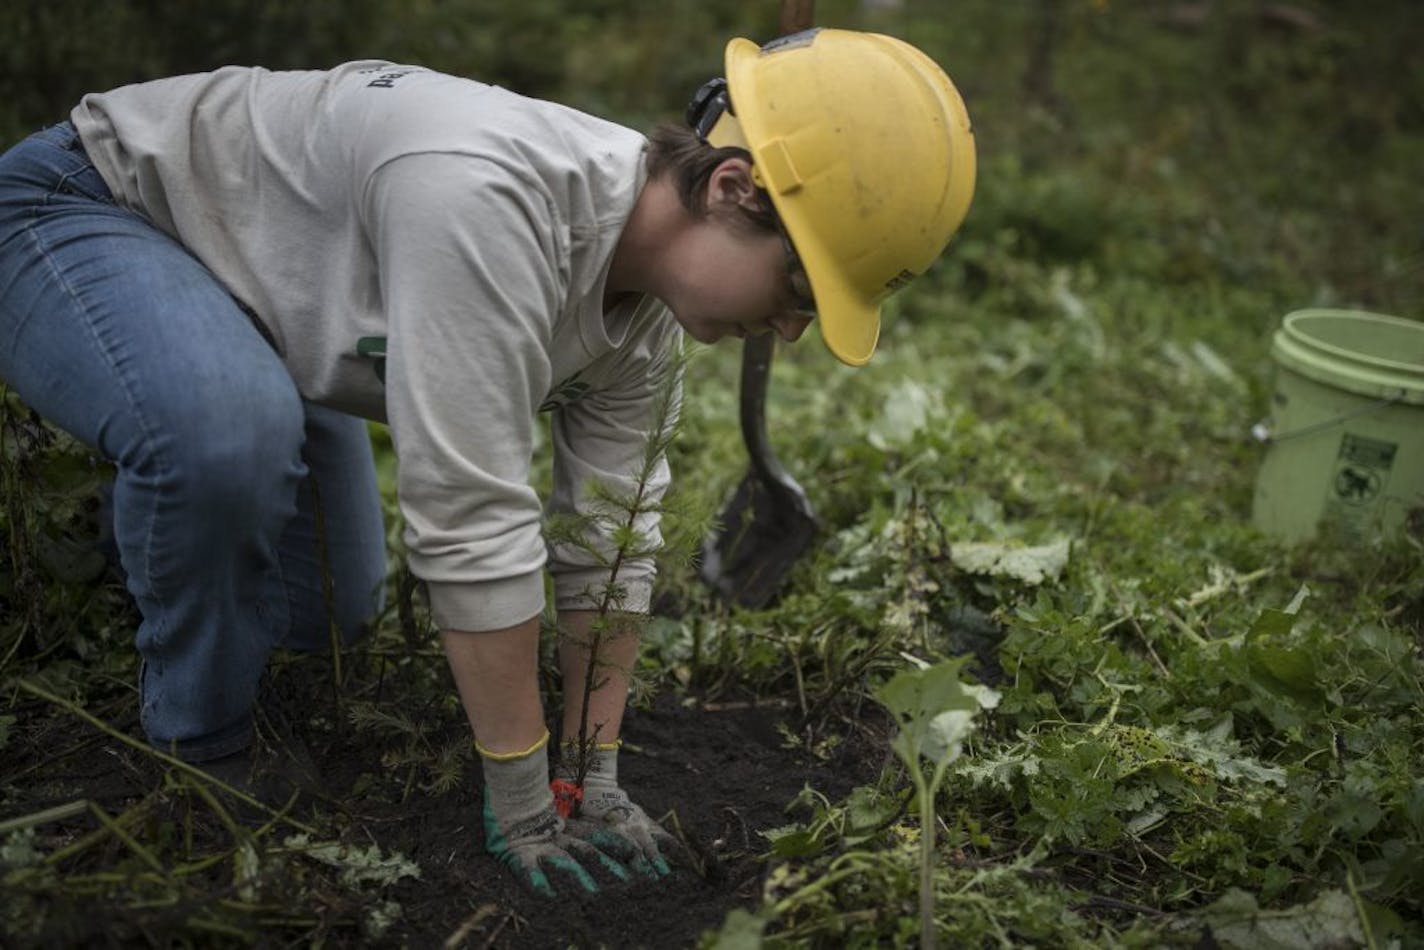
(604,440)
(472,270)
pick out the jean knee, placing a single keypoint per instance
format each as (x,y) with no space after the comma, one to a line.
(241,462)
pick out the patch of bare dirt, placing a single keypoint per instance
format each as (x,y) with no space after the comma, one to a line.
(724,770)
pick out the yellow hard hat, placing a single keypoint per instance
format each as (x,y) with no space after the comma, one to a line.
(864,146)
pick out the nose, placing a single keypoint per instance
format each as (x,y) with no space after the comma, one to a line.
(789,326)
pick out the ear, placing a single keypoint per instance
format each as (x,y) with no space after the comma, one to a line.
(731,184)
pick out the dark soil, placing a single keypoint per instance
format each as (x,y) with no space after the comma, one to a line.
(723,770)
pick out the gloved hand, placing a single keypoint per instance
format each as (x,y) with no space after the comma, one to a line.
(601,813)
(524,831)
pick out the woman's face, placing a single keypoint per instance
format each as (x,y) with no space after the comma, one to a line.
(730,279)
(736,285)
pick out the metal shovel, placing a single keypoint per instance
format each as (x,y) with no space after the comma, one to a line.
(768,523)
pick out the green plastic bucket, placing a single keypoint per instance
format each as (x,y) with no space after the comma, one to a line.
(1345,439)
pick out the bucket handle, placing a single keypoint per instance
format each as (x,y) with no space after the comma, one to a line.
(1262,433)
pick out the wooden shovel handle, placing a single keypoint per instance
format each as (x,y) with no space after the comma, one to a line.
(796,15)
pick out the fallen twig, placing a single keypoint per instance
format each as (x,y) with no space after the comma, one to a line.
(1224,582)
(467,926)
(185,767)
(113,827)
(57,813)
(99,834)
(741,705)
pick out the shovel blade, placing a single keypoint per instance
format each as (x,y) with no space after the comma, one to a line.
(766,527)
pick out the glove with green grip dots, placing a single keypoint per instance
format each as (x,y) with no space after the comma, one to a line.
(600,813)
(523,830)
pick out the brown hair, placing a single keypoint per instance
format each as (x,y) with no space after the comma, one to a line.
(676,151)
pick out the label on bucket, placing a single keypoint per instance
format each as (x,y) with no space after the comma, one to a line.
(1361,474)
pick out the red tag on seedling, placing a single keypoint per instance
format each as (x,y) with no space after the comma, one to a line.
(567,796)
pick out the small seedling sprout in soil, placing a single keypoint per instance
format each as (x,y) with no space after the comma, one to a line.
(935,713)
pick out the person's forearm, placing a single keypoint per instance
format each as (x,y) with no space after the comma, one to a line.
(617,652)
(497,675)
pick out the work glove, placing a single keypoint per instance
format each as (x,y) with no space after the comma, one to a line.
(600,812)
(523,830)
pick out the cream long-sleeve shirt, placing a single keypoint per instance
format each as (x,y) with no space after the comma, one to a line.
(432,252)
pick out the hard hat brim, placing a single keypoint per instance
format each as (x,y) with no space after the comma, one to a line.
(849,326)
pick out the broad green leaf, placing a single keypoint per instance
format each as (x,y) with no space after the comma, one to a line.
(1272,623)
(1000,768)
(986,696)
(915,696)
(946,734)
(793,842)
(1219,752)
(922,700)
(358,866)
(866,810)
(1031,565)
(1355,809)
(906,411)
(1329,921)
(1277,661)
(1284,670)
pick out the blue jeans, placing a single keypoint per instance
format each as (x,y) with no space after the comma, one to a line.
(112,331)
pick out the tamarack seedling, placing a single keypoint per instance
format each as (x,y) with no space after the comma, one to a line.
(615,527)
